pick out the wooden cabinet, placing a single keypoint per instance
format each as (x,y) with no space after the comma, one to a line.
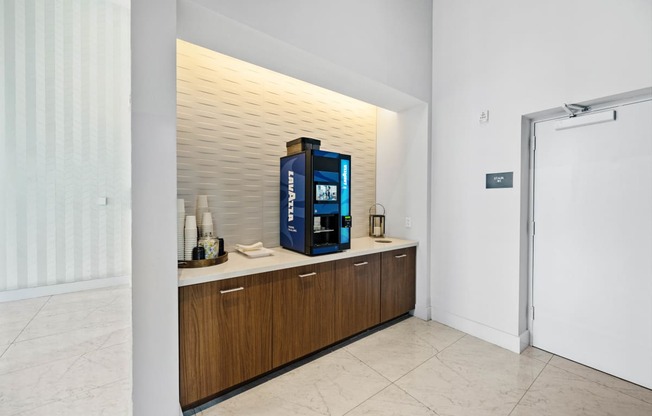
(234,330)
(225,334)
(398,282)
(357,295)
(303,311)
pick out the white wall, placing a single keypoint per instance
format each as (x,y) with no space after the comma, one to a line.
(209,27)
(511,57)
(402,177)
(387,41)
(154,188)
(64,142)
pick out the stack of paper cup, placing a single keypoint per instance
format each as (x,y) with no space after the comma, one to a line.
(190,235)
(207,224)
(202,208)
(181,217)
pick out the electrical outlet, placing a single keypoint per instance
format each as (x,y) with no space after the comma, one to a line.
(408,222)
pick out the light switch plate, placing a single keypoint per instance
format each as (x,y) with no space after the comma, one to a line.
(499,180)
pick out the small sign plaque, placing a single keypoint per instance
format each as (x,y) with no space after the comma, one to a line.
(500,180)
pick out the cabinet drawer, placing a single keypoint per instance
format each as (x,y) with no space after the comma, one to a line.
(303,311)
(398,283)
(357,295)
(225,334)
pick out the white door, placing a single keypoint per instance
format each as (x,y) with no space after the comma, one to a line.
(592,270)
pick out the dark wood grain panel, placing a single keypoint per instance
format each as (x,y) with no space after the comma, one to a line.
(278,317)
(398,282)
(303,311)
(225,338)
(357,295)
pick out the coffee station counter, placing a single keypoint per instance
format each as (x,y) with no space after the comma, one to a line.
(241,265)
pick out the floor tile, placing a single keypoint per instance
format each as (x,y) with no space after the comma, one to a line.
(14,317)
(604,379)
(9,331)
(113,399)
(32,387)
(42,350)
(119,336)
(119,296)
(537,354)
(114,313)
(100,367)
(54,381)
(397,350)
(72,357)
(472,377)
(331,385)
(21,310)
(391,402)
(559,392)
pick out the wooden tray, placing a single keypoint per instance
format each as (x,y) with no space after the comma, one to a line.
(192,264)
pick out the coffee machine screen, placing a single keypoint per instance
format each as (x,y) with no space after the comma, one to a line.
(326,193)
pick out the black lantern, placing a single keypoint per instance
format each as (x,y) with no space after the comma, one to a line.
(376,222)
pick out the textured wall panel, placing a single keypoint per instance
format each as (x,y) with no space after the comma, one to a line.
(233,120)
(65,140)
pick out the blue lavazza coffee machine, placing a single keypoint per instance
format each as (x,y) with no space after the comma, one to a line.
(315,199)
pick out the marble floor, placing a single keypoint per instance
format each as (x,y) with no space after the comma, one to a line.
(67,354)
(417,368)
(71,355)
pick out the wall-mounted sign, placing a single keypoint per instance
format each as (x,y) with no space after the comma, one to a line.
(500,180)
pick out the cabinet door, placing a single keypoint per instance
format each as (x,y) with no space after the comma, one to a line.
(303,311)
(225,334)
(398,283)
(357,295)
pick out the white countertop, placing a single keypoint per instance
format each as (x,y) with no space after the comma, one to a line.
(241,265)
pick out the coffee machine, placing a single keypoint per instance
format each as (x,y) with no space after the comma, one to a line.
(315,199)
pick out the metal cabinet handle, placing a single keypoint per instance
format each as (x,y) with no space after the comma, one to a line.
(237,289)
(361,264)
(308,274)
(400,256)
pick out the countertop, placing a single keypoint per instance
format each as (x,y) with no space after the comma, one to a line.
(241,265)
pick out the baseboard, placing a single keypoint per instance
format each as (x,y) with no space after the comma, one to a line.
(484,332)
(36,292)
(422,312)
(525,340)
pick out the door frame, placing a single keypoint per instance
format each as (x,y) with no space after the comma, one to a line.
(529,122)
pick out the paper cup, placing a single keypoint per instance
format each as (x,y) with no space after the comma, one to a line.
(207,229)
(202,201)
(191,222)
(200,215)
(207,218)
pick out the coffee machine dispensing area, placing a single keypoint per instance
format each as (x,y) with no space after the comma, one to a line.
(315,199)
